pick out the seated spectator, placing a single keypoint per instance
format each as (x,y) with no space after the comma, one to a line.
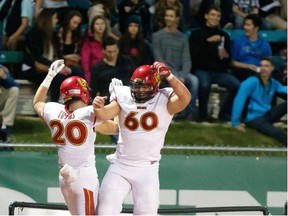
(226,12)
(107,9)
(60,6)
(171,47)
(210,54)
(249,48)
(42,48)
(258,92)
(270,10)
(113,65)
(17,18)
(92,52)
(241,9)
(133,44)
(9,92)
(158,12)
(135,7)
(70,38)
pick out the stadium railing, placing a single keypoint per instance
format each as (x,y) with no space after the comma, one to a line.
(22,208)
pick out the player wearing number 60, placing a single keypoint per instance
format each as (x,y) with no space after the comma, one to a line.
(73,127)
(145,112)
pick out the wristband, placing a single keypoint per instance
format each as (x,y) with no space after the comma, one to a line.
(47,81)
(169,77)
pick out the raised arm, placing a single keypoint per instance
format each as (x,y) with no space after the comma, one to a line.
(105,112)
(41,93)
(182,96)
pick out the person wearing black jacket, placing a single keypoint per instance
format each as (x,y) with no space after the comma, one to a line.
(210,55)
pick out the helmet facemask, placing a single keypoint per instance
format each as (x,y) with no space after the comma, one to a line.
(144,83)
(141,91)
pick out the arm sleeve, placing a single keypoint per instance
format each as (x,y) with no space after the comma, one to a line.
(243,93)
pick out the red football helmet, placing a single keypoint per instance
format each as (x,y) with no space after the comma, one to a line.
(73,88)
(144,83)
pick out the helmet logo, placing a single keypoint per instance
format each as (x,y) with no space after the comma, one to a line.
(82,83)
(157,78)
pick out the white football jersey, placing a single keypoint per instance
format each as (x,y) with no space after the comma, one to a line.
(143,126)
(72,133)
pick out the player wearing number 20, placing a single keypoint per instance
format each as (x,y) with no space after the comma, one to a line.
(72,126)
(145,112)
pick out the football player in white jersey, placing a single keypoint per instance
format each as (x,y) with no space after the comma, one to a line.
(73,127)
(145,113)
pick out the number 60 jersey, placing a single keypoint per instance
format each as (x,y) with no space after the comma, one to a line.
(72,133)
(142,126)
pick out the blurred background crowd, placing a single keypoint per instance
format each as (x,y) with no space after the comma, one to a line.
(104,39)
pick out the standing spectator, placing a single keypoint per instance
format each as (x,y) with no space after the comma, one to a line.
(133,44)
(70,38)
(249,48)
(42,48)
(17,18)
(210,54)
(270,10)
(73,127)
(113,65)
(145,113)
(135,7)
(91,52)
(241,9)
(171,47)
(259,91)
(9,92)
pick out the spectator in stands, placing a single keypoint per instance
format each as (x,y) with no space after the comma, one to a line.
(42,48)
(70,37)
(92,52)
(258,92)
(111,66)
(17,18)
(226,12)
(249,48)
(241,9)
(133,44)
(107,9)
(60,6)
(135,7)
(171,47)
(210,54)
(158,13)
(270,10)
(9,92)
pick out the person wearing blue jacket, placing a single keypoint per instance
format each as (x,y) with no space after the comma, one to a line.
(258,92)
(248,49)
(9,92)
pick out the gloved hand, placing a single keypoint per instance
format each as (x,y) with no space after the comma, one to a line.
(114,82)
(163,70)
(56,67)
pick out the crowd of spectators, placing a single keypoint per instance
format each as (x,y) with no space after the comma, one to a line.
(103,39)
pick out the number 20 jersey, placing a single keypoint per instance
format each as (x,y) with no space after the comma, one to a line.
(143,126)
(72,133)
